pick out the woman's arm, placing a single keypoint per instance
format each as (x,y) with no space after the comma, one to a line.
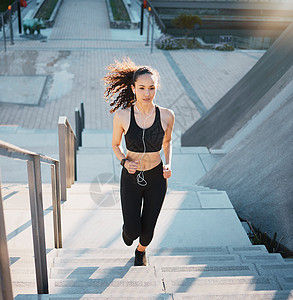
(117,137)
(118,130)
(167,144)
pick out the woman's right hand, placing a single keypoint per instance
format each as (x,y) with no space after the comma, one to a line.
(131,166)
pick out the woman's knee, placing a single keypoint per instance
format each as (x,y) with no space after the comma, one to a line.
(146,238)
(132,232)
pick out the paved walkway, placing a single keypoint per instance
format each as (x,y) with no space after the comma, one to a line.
(78,49)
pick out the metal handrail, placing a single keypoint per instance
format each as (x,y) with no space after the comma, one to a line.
(79,125)
(67,155)
(157,17)
(34,161)
(5,278)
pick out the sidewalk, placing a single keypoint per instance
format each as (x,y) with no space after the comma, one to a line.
(73,60)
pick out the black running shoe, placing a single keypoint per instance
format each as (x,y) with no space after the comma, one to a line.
(140,258)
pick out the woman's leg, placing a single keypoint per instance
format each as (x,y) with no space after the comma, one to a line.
(154,196)
(131,201)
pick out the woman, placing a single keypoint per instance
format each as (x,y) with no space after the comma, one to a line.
(147,128)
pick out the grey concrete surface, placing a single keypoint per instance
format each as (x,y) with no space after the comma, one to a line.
(75,57)
(256,175)
(31,88)
(92,218)
(245,99)
(181,273)
(196,271)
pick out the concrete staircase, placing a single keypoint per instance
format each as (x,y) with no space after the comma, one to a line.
(200,249)
(177,273)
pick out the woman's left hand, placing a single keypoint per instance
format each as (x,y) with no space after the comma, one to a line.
(167,172)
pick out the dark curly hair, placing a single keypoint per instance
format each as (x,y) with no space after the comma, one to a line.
(119,79)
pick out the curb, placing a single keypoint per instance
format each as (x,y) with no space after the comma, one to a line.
(132,24)
(51,21)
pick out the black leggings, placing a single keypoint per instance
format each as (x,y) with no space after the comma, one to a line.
(140,218)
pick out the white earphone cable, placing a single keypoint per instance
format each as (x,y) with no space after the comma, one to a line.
(140,176)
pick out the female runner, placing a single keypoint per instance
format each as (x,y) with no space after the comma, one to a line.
(147,129)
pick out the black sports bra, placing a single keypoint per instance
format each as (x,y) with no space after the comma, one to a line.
(153,136)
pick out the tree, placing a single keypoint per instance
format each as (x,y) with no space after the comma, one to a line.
(188,23)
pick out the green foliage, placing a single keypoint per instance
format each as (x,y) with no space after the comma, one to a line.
(260,238)
(119,11)
(166,42)
(46,9)
(224,47)
(4,4)
(186,22)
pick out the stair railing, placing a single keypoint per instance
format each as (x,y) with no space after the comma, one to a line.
(34,161)
(5,278)
(67,155)
(79,124)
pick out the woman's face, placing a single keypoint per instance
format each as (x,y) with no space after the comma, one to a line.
(145,88)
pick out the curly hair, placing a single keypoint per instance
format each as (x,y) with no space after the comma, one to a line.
(119,79)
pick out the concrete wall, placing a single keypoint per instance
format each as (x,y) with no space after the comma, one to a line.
(257,175)
(245,99)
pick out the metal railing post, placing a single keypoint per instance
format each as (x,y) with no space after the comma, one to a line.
(5,275)
(58,199)
(72,160)
(38,227)
(141,19)
(78,127)
(67,158)
(11,26)
(75,159)
(82,115)
(19,16)
(62,158)
(67,155)
(34,161)
(56,205)
(4,35)
(152,40)
(148,29)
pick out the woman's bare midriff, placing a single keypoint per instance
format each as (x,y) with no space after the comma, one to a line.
(149,159)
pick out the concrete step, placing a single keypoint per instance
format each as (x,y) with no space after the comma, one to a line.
(134,273)
(255,295)
(188,186)
(30,139)
(106,252)
(96,296)
(90,252)
(271,258)
(204,285)
(193,260)
(90,272)
(253,249)
(82,187)
(96,138)
(220,285)
(159,261)
(275,269)
(94,286)
(103,146)
(207,270)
